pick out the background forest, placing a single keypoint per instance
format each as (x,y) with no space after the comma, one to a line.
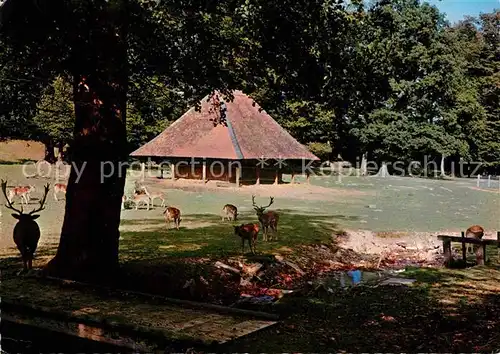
(392,80)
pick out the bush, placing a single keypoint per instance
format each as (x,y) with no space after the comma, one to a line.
(322,150)
(129,204)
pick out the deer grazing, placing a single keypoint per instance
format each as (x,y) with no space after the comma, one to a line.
(153,196)
(268,219)
(23,192)
(26,231)
(230,212)
(249,233)
(172,214)
(475,231)
(138,198)
(59,188)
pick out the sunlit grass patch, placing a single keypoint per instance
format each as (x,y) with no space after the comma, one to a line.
(205,235)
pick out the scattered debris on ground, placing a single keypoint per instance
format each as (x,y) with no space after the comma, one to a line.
(266,279)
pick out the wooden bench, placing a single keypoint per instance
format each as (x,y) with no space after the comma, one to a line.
(480,251)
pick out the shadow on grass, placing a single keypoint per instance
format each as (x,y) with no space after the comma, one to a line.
(205,235)
(16,162)
(445,311)
(161,260)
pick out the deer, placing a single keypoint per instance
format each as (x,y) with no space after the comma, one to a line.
(138,188)
(138,198)
(26,232)
(249,233)
(230,212)
(59,188)
(172,214)
(475,231)
(153,196)
(268,220)
(24,192)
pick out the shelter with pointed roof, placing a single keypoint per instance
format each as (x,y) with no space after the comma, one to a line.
(233,141)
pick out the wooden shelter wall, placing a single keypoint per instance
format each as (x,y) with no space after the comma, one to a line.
(226,171)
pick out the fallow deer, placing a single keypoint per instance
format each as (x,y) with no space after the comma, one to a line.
(475,231)
(26,232)
(249,233)
(155,195)
(138,198)
(172,214)
(230,212)
(138,188)
(268,220)
(23,192)
(59,188)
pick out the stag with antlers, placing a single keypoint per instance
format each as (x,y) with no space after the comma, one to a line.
(26,231)
(268,219)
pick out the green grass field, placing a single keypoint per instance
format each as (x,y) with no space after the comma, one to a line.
(446,310)
(390,204)
(376,204)
(216,239)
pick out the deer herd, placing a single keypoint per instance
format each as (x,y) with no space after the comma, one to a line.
(267,221)
(27,232)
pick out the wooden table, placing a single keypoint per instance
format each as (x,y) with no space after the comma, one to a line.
(480,251)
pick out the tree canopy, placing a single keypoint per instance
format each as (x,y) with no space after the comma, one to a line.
(390,79)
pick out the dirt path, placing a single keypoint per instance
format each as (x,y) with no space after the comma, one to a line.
(295,191)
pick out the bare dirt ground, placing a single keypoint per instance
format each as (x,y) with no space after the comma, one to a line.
(19,150)
(296,191)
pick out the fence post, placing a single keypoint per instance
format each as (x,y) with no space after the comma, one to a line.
(478,179)
(489,181)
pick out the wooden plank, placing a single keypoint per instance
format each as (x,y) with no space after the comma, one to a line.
(244,328)
(226,330)
(447,252)
(78,330)
(134,314)
(459,239)
(185,303)
(481,255)
(196,322)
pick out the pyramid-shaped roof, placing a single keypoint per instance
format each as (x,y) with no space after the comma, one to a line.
(248,133)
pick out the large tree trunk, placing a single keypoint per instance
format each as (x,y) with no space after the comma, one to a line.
(89,239)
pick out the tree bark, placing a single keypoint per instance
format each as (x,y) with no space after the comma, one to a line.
(49,152)
(89,238)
